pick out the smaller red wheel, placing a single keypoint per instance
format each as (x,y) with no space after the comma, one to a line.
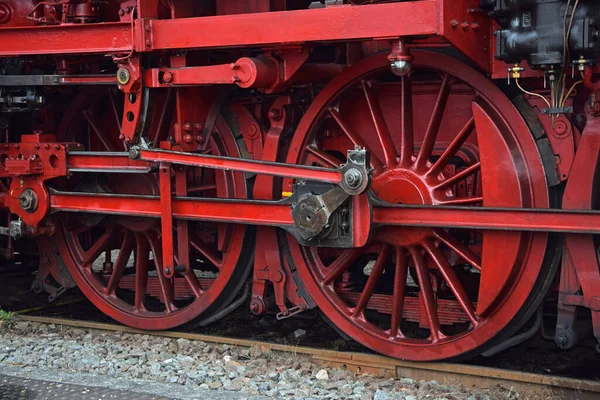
(116,260)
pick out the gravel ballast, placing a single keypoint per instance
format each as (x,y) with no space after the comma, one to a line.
(208,370)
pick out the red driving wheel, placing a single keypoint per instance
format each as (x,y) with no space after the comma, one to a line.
(116,260)
(444,135)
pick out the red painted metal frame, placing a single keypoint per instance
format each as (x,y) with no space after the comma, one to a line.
(454,21)
(112,37)
(269,263)
(291,27)
(580,272)
(281,28)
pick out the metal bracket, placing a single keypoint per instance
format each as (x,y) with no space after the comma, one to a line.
(355,173)
(557,110)
(322,216)
(313,212)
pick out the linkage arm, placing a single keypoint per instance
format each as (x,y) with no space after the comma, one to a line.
(353,177)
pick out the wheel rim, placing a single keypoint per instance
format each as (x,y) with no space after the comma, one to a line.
(437,293)
(114,261)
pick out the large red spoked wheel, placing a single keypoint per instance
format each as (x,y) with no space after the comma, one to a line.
(116,261)
(445,135)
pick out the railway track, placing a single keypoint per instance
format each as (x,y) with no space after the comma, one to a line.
(529,385)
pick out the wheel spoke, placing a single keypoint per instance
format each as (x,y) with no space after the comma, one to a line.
(207,251)
(76,230)
(460,176)
(120,264)
(193,282)
(92,124)
(202,188)
(98,248)
(461,249)
(354,137)
(400,276)
(163,119)
(429,303)
(165,284)
(383,132)
(407,130)
(453,282)
(115,109)
(434,123)
(367,292)
(461,201)
(141,271)
(453,149)
(341,264)
(324,159)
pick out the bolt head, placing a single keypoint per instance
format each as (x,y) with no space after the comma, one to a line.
(123,76)
(24,201)
(134,153)
(401,67)
(353,178)
(274,114)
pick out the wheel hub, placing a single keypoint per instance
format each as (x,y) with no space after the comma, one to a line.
(403,186)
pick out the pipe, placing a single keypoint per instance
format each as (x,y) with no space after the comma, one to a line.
(517,339)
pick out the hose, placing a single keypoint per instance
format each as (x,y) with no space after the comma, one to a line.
(230,308)
(517,339)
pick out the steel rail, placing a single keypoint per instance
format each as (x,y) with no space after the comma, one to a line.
(527,384)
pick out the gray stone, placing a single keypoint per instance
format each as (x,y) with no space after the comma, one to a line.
(380,395)
(214,384)
(155,369)
(322,375)
(299,333)
(234,386)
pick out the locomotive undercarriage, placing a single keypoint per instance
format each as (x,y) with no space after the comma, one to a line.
(163,154)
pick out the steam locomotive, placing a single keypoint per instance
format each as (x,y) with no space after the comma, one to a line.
(423,172)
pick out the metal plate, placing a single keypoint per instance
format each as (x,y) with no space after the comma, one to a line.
(12,388)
